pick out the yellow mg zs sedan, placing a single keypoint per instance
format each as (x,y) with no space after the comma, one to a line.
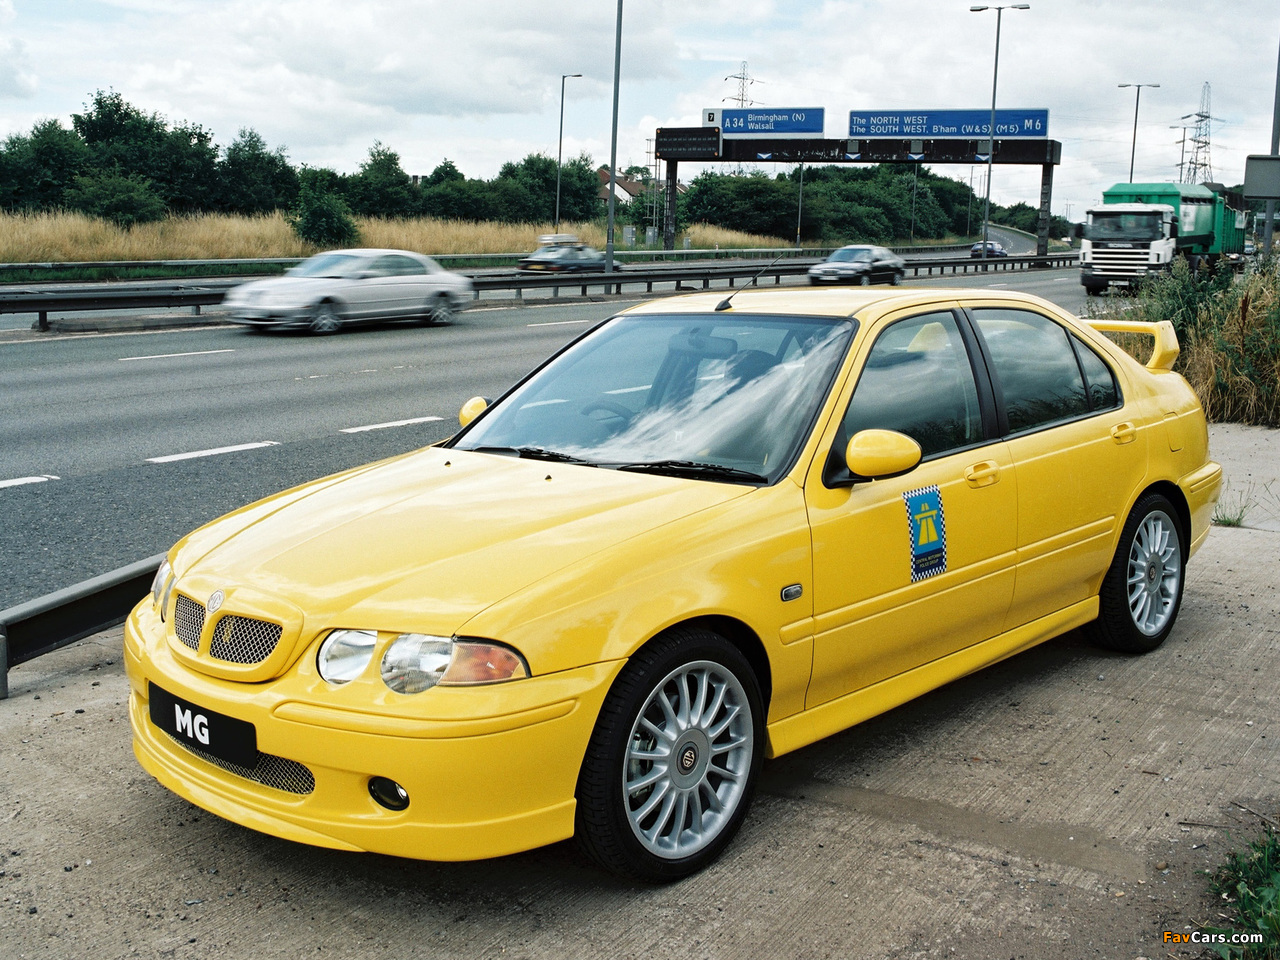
(705,533)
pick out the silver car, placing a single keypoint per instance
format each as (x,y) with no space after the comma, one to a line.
(347,286)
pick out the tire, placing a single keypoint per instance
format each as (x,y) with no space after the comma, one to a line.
(439,310)
(679,816)
(896,278)
(1142,591)
(864,280)
(325,319)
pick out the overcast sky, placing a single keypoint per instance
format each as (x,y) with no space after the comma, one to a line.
(479,82)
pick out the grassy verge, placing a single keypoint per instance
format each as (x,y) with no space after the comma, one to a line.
(1249,885)
(72,237)
(1229,328)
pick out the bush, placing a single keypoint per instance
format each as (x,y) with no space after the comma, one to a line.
(123,200)
(321,218)
(1229,328)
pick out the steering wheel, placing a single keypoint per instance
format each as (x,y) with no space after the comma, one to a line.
(609,406)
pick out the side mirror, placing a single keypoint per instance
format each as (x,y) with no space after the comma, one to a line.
(874,454)
(1173,230)
(472,409)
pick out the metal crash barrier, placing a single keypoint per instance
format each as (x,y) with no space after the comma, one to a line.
(56,620)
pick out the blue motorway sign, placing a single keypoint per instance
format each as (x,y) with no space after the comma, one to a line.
(936,124)
(766,121)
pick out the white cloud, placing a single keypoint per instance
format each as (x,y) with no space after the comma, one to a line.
(479,82)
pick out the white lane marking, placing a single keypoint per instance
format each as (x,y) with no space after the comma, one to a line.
(556,323)
(166,356)
(214,452)
(21,480)
(393,423)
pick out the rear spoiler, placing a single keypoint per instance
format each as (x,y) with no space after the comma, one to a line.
(1163,353)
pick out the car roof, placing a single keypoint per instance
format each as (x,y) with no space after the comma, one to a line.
(828,302)
(371,252)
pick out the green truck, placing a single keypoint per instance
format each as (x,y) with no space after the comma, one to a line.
(1142,227)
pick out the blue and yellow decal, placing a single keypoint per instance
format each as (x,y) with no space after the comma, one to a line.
(928,527)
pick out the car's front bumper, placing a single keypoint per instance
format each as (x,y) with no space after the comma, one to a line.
(488,772)
(269,316)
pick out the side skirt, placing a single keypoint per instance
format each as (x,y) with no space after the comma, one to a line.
(808,727)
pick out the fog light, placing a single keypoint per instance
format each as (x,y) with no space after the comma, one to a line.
(388,793)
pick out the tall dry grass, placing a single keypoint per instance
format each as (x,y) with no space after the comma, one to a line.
(74,237)
(1229,330)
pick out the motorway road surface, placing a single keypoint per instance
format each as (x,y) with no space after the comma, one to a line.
(97,431)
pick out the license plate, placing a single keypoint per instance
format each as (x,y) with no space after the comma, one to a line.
(229,739)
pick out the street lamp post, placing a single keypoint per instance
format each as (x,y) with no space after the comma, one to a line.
(560,147)
(1136,100)
(995,74)
(613,143)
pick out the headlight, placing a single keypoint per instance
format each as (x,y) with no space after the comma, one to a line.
(415,662)
(345,653)
(160,587)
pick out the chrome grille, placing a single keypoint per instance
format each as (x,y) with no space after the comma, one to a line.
(188,620)
(270,770)
(243,640)
(1119,262)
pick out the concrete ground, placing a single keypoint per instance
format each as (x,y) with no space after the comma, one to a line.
(1063,804)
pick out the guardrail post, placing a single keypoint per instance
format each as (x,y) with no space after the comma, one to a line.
(42,321)
(4,665)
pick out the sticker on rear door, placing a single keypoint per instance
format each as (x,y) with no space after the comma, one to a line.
(928,529)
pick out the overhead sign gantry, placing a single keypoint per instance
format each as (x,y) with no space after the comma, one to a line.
(927,136)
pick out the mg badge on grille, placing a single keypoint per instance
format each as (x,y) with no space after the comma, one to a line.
(215,602)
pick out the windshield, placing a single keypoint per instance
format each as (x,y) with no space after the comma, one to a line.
(846,255)
(732,393)
(326,265)
(1124,226)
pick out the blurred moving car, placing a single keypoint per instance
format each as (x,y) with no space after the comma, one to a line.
(563,252)
(993,249)
(708,531)
(859,264)
(330,290)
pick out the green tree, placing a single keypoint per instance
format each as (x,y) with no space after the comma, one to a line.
(37,169)
(381,188)
(323,219)
(181,162)
(253,179)
(123,200)
(445,172)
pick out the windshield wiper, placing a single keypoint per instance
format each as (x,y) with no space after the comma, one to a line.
(535,453)
(694,468)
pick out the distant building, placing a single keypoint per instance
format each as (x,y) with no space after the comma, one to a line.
(629,187)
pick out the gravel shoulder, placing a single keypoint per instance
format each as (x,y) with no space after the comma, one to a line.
(1063,804)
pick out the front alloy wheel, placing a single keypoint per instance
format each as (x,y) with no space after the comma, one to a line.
(672,763)
(1142,590)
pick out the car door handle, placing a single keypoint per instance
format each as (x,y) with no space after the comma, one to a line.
(1124,432)
(982,474)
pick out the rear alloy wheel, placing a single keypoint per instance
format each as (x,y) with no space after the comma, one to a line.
(671,766)
(439,310)
(1142,591)
(325,319)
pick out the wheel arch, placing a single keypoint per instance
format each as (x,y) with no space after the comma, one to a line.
(1173,493)
(746,640)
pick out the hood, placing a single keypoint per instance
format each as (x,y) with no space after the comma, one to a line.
(424,542)
(284,289)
